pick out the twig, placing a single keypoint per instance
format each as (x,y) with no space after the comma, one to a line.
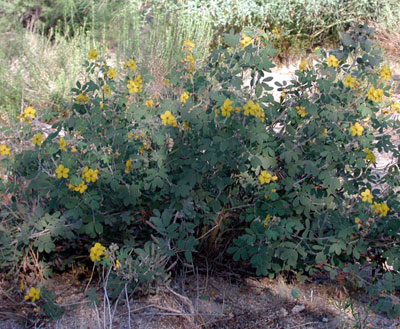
(90,279)
(128,306)
(302,325)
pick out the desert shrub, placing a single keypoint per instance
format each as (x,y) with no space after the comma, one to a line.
(214,157)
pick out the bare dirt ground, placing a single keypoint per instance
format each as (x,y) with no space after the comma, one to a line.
(217,301)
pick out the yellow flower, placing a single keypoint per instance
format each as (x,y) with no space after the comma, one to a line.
(135,86)
(265,177)
(38,139)
(385,73)
(62,172)
(395,107)
(4,149)
(266,220)
(168,119)
(184,97)
(34,294)
(370,157)
(357,220)
(149,103)
(186,125)
(189,59)
(246,41)
(356,129)
(82,99)
(304,65)
(131,64)
(189,45)
(227,108)
(28,114)
(74,150)
(81,188)
(107,92)
(167,82)
(301,110)
(375,95)
(367,196)
(96,252)
(117,265)
(349,81)
(128,166)
(325,131)
(90,175)
(332,61)
(111,73)
(381,208)
(276,33)
(93,54)
(63,144)
(253,109)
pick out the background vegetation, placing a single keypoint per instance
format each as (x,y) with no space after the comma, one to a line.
(43,42)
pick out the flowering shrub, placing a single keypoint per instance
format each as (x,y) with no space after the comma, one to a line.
(170,174)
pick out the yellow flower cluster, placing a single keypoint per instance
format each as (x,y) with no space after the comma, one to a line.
(251,108)
(227,108)
(189,45)
(28,114)
(395,107)
(356,129)
(276,33)
(301,110)
(93,54)
(367,196)
(332,61)
(189,59)
(184,97)
(90,175)
(380,208)
(34,294)
(246,41)
(135,86)
(82,99)
(386,73)
(62,172)
(349,81)
(4,149)
(131,64)
(168,119)
(111,73)
(149,103)
(370,157)
(63,144)
(267,220)
(81,188)
(266,178)
(128,165)
(375,95)
(97,251)
(305,65)
(107,91)
(38,139)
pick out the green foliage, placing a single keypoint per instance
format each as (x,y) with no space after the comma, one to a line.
(157,178)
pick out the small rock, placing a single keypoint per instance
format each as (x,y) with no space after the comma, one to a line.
(283,312)
(298,308)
